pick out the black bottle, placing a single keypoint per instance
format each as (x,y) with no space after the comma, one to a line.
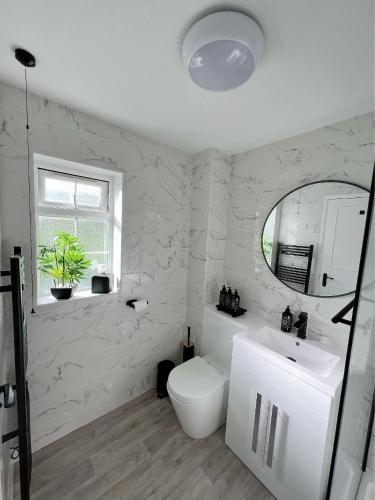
(222,295)
(286,321)
(228,299)
(235,302)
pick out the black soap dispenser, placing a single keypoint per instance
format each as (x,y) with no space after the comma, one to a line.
(222,296)
(228,299)
(286,320)
(235,302)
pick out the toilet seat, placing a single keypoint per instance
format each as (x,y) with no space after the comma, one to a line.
(195,381)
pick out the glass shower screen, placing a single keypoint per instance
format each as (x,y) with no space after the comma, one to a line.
(350,467)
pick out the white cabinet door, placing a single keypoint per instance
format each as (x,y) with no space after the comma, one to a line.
(247,414)
(294,451)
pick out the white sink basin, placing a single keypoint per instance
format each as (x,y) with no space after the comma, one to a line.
(313,362)
(297,351)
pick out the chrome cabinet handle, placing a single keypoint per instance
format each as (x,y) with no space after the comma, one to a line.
(271,441)
(254,443)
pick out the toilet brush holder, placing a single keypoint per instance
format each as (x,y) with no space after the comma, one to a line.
(188,348)
(188,351)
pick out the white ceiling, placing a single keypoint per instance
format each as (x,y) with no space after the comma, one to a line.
(120,60)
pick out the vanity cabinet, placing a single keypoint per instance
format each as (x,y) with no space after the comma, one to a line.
(279,426)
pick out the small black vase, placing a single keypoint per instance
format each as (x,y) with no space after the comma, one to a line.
(62,293)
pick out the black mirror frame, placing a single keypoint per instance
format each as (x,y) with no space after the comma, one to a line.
(275,205)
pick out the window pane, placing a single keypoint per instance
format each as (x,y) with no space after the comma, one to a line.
(90,195)
(93,235)
(59,191)
(47,230)
(50,226)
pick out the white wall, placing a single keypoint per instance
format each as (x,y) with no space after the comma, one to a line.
(209,208)
(90,356)
(259,178)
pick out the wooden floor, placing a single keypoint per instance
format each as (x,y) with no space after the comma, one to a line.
(139,451)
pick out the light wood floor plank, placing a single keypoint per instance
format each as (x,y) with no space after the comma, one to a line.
(139,451)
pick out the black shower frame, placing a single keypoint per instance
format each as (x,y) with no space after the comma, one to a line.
(362,263)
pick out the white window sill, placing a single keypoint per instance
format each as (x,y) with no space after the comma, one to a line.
(48,301)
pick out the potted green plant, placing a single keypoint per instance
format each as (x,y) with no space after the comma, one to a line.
(65,262)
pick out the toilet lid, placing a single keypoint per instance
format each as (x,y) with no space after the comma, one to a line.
(194,380)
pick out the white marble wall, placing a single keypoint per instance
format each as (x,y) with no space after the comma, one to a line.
(259,178)
(200,189)
(209,208)
(217,225)
(185,229)
(88,356)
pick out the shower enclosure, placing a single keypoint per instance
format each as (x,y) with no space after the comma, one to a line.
(352,469)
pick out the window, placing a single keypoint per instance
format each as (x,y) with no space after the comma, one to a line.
(80,201)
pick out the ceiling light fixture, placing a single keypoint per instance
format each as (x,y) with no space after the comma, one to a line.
(222,50)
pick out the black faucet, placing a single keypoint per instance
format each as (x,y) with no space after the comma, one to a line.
(301,324)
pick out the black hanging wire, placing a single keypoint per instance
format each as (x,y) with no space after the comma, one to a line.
(30,198)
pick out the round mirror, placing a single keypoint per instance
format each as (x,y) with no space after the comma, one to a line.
(312,238)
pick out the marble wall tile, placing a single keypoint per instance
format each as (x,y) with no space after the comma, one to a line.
(258,179)
(89,356)
(188,224)
(217,225)
(209,212)
(200,183)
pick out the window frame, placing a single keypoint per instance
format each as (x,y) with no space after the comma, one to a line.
(44,173)
(44,167)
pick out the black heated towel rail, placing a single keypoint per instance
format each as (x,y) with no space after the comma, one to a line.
(16,287)
(293,274)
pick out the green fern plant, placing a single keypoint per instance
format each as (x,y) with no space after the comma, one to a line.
(267,248)
(64,261)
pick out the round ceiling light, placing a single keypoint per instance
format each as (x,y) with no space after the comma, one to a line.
(222,50)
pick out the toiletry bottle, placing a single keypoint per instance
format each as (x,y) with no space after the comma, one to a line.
(286,320)
(235,302)
(223,293)
(228,299)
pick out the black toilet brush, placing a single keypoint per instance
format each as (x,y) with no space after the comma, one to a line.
(188,349)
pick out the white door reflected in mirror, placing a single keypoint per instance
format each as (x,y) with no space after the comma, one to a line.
(342,229)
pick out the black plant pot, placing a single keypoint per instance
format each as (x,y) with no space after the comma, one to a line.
(62,293)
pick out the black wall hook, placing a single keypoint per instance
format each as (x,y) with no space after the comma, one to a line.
(131,302)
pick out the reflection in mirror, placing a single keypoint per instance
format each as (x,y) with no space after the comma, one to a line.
(312,238)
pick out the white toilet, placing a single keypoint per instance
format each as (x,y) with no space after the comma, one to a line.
(199,388)
(199,394)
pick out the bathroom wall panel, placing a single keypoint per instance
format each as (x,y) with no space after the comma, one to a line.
(187,225)
(209,212)
(217,225)
(258,179)
(90,355)
(200,192)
